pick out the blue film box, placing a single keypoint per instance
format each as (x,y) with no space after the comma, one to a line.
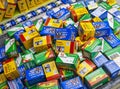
(1,67)
(41,10)
(99,59)
(112,40)
(62,14)
(31,14)
(102,29)
(2,54)
(74,83)
(27,24)
(51,5)
(16,84)
(35,75)
(17,34)
(111,68)
(48,30)
(20,19)
(22,70)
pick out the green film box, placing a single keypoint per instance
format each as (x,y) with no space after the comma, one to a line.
(67,61)
(105,5)
(44,56)
(11,48)
(96,78)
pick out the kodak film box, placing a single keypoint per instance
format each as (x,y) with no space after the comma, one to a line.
(65,46)
(27,38)
(86,30)
(44,56)
(2,10)
(85,68)
(10,8)
(96,78)
(96,19)
(42,43)
(10,69)
(67,61)
(22,5)
(51,71)
(31,3)
(53,84)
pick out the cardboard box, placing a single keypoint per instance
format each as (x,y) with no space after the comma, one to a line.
(30,3)
(96,19)
(96,78)
(39,2)
(10,8)
(27,38)
(27,24)
(44,56)
(66,74)
(105,5)
(65,46)
(22,5)
(74,83)
(85,68)
(35,75)
(42,43)
(53,22)
(68,21)
(10,69)
(79,53)
(53,84)
(4,85)
(68,61)
(2,54)
(11,48)
(86,30)
(2,10)
(22,70)
(112,69)
(2,78)
(111,2)
(50,70)
(86,17)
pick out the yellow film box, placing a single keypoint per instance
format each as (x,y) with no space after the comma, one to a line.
(31,3)
(2,10)
(42,43)
(22,5)
(27,38)
(51,71)
(10,8)
(2,78)
(10,69)
(96,19)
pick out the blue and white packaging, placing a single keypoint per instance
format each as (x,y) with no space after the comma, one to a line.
(74,83)
(102,29)
(41,10)
(20,19)
(68,1)
(16,84)
(115,12)
(58,3)
(27,24)
(47,30)
(22,70)
(31,14)
(35,75)
(17,34)
(100,12)
(112,69)
(2,54)
(51,5)
(50,13)
(112,40)
(10,24)
(62,14)
(1,68)
(99,59)
(2,27)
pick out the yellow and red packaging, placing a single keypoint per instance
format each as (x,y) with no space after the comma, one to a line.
(86,30)
(85,68)
(10,8)
(96,19)
(51,71)
(54,23)
(42,43)
(111,2)
(2,10)
(27,38)
(22,5)
(77,13)
(31,3)
(10,69)
(30,28)
(65,46)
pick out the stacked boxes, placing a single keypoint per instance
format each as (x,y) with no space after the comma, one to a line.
(2,10)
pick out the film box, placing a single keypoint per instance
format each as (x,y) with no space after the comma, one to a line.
(112,69)
(96,19)
(2,54)
(44,56)
(86,30)
(105,5)
(66,74)
(67,61)
(22,5)
(35,75)
(42,43)
(86,17)
(85,68)
(79,53)
(53,22)
(2,78)
(27,38)
(53,84)
(4,85)
(74,83)
(10,69)
(22,70)
(2,10)
(111,2)
(31,3)
(50,70)
(65,46)
(96,78)
(68,21)
(10,8)
(11,48)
